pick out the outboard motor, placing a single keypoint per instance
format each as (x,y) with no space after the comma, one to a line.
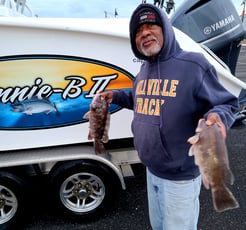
(213,23)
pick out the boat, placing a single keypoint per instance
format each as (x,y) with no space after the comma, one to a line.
(51,68)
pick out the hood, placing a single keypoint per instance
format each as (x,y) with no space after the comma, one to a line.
(170,46)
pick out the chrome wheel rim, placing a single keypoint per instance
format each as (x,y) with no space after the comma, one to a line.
(8,204)
(82,192)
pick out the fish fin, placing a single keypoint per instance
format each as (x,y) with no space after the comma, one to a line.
(99,148)
(205,182)
(90,136)
(105,137)
(28,112)
(87,115)
(228,176)
(191,152)
(223,199)
(194,139)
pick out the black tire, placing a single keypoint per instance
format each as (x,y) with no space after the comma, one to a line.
(84,189)
(11,200)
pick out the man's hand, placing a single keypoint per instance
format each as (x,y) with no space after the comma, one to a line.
(214,118)
(108,95)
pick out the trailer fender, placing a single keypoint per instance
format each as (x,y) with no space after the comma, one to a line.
(103,159)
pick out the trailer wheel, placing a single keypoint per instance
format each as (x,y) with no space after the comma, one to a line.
(84,189)
(11,189)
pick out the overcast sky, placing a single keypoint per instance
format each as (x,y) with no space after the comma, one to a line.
(93,8)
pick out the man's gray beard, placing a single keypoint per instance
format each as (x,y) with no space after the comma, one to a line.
(152,52)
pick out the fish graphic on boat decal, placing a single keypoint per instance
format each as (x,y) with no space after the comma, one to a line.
(34,105)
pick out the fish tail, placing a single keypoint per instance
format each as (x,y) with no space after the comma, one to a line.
(56,110)
(105,138)
(99,147)
(228,177)
(90,136)
(223,199)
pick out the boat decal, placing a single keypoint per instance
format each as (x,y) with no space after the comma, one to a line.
(47,91)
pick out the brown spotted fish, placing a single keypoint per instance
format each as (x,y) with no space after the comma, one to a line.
(210,152)
(99,119)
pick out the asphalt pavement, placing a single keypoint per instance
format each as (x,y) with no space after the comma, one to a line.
(130,212)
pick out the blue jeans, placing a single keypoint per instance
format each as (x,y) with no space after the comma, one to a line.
(173,205)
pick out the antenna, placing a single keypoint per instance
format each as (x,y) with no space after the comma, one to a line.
(108,14)
(115,13)
(243,12)
(170,5)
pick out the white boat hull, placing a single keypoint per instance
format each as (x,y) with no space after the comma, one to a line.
(52,54)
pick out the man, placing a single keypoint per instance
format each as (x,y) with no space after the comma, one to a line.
(172,91)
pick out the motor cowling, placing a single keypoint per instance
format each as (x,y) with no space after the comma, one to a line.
(213,23)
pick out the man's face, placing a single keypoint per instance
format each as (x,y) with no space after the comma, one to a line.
(149,39)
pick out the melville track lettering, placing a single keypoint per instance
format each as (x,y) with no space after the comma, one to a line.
(150,93)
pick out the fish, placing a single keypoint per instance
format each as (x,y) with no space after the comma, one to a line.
(34,106)
(209,149)
(99,122)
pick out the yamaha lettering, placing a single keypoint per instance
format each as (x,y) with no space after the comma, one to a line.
(219,25)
